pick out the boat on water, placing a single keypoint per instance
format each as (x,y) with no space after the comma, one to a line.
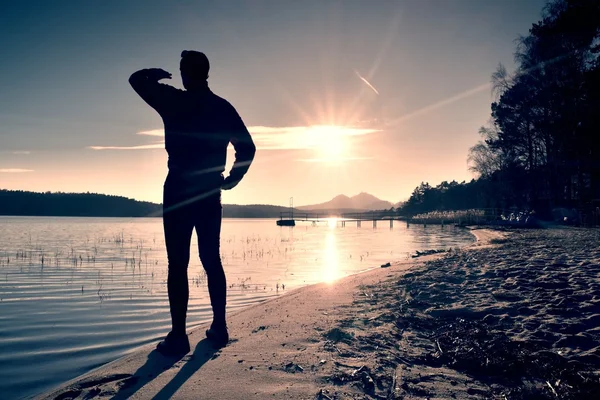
(287,218)
(286,222)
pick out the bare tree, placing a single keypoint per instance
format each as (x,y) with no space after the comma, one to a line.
(501,81)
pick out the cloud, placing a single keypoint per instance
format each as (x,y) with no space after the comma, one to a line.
(152,132)
(333,160)
(350,131)
(269,137)
(139,147)
(14,170)
(16,152)
(151,146)
(301,137)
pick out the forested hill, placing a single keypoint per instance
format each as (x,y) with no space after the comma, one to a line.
(18,202)
(540,150)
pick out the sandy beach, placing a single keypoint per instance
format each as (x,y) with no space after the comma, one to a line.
(514,316)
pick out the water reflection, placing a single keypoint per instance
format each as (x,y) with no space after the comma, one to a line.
(331,267)
(99,284)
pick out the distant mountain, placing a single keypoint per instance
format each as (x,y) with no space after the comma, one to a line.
(360,202)
(22,203)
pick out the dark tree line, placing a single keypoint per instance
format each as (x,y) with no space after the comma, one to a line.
(541,149)
(18,202)
(445,196)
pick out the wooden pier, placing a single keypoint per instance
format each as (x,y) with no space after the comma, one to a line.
(372,216)
(289,218)
(454,218)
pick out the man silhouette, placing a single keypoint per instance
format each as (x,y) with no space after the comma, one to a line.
(199,126)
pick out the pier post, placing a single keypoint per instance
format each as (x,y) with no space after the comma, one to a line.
(358,223)
(374,223)
(391,223)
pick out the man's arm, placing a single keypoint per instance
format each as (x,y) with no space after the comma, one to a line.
(145,83)
(244,152)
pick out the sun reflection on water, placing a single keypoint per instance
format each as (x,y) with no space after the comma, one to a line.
(332,222)
(331,265)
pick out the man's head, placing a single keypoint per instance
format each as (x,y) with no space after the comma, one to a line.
(194,68)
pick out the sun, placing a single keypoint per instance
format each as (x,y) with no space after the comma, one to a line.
(329,141)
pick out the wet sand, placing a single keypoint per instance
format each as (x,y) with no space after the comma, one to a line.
(516,315)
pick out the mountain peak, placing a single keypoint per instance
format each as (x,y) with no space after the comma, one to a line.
(363,196)
(362,201)
(340,197)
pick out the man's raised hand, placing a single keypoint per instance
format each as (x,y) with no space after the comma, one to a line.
(157,74)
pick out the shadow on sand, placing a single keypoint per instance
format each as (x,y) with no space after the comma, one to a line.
(157,364)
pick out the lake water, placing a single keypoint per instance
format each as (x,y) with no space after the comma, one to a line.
(76,293)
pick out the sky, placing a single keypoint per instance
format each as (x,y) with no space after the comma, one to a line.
(341,97)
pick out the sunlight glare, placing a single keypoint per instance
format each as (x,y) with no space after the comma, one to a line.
(330,141)
(331,267)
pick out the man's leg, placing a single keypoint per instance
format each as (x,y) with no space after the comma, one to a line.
(178,226)
(208,229)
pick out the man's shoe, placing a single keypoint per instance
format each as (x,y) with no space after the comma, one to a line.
(218,335)
(174,345)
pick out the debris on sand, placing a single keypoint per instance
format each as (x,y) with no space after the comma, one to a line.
(293,368)
(338,335)
(427,252)
(517,321)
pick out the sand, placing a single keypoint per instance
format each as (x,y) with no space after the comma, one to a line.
(516,315)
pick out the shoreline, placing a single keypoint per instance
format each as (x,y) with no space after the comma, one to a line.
(144,373)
